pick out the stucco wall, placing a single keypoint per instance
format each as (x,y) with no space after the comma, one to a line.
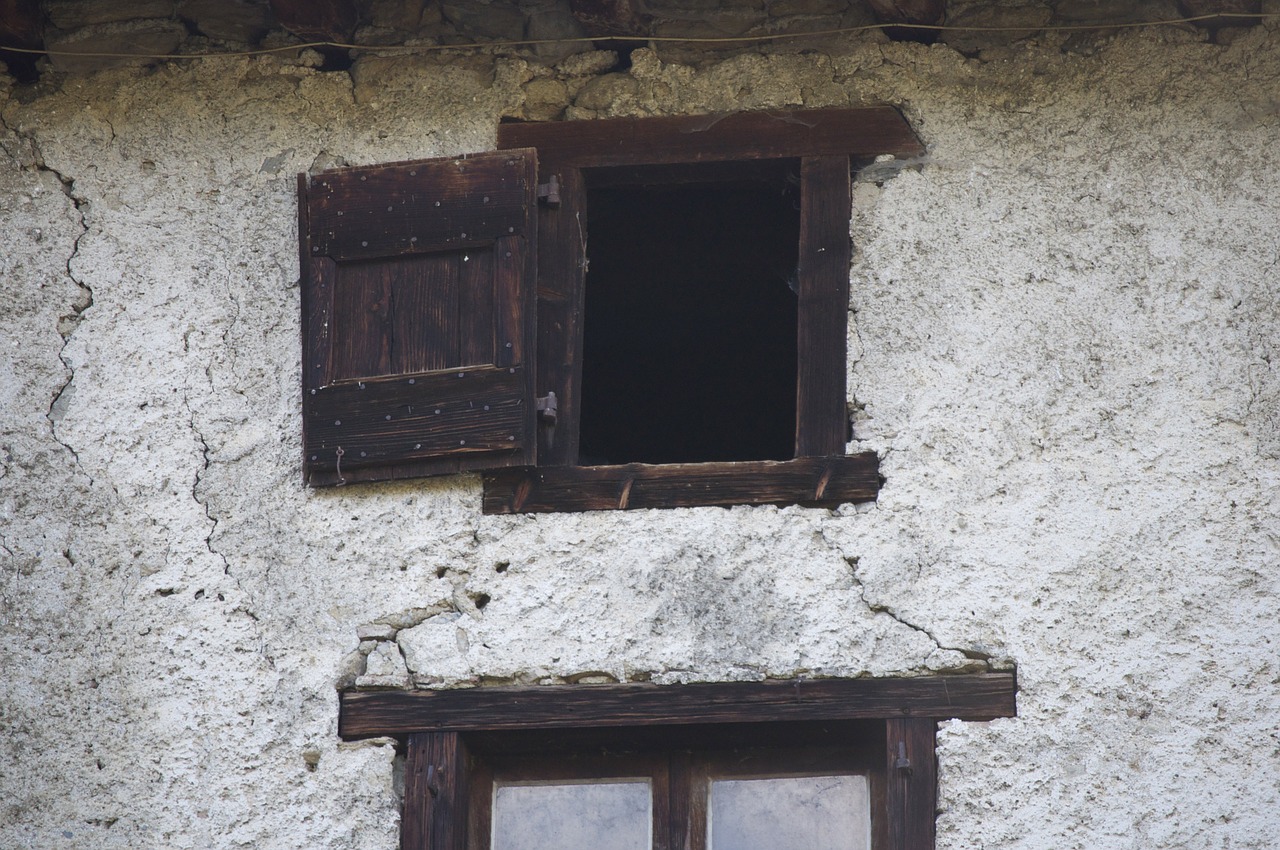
(1062,342)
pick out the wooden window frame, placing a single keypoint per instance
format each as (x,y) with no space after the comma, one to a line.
(825,141)
(454,738)
(442,304)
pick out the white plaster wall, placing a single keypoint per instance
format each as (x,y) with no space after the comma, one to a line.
(1065,321)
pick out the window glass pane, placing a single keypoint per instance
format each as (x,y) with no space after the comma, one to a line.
(611,815)
(792,813)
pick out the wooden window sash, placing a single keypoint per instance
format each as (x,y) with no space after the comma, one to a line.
(443,771)
(687,148)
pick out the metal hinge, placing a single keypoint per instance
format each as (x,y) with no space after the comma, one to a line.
(902,763)
(549,192)
(546,407)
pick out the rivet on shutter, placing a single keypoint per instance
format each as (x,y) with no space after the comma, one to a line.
(417,446)
(388,417)
(511,230)
(462,374)
(413,174)
(313,392)
(486,199)
(413,380)
(437,411)
(364,244)
(463,236)
(437,203)
(339,213)
(413,239)
(337,422)
(362,454)
(462,442)
(363,178)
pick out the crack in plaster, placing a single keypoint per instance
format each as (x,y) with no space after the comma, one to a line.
(879,608)
(67,323)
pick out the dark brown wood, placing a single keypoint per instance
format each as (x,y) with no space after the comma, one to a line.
(561,269)
(436,793)
(822,482)
(414,417)
(368,714)
(821,407)
(417,332)
(370,212)
(912,790)
(317,20)
(864,131)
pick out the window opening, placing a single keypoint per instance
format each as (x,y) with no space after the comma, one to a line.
(689,351)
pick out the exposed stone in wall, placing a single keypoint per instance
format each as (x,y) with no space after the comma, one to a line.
(558,28)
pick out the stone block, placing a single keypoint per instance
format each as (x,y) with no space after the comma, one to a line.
(135,42)
(552,24)
(786,8)
(1114,11)
(603,92)
(1025,21)
(228,20)
(485,20)
(404,15)
(73,14)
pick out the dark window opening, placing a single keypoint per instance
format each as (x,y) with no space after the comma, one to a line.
(689,347)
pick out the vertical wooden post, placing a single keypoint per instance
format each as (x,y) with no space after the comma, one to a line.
(435,793)
(825,209)
(561,280)
(912,770)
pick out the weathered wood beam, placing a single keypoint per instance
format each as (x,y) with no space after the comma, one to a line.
(366,714)
(610,17)
(317,20)
(813,481)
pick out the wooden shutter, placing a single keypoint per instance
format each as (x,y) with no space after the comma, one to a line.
(418,311)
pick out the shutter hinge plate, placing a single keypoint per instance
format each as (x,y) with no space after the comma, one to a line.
(546,407)
(549,192)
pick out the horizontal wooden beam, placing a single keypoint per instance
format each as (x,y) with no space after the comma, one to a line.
(366,714)
(812,481)
(863,131)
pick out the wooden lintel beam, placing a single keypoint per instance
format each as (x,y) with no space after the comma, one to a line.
(367,714)
(317,20)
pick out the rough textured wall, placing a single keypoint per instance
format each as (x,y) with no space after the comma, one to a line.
(1061,345)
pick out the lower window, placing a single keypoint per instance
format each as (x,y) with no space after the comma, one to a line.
(701,789)
(827,764)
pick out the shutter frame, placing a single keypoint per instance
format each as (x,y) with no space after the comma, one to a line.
(418,312)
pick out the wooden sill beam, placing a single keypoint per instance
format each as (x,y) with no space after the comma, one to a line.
(365,714)
(810,481)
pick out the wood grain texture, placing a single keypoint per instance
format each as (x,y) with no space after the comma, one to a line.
(561,273)
(823,316)
(419,207)
(391,320)
(912,792)
(373,713)
(436,793)
(415,417)
(864,131)
(818,481)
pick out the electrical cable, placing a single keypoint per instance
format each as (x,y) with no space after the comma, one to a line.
(411,49)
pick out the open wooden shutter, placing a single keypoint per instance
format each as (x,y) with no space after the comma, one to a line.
(418,315)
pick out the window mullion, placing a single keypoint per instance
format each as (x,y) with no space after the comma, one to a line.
(823,275)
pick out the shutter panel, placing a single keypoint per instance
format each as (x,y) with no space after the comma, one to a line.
(418,314)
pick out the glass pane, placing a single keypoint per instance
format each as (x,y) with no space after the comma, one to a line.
(582,816)
(793,813)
